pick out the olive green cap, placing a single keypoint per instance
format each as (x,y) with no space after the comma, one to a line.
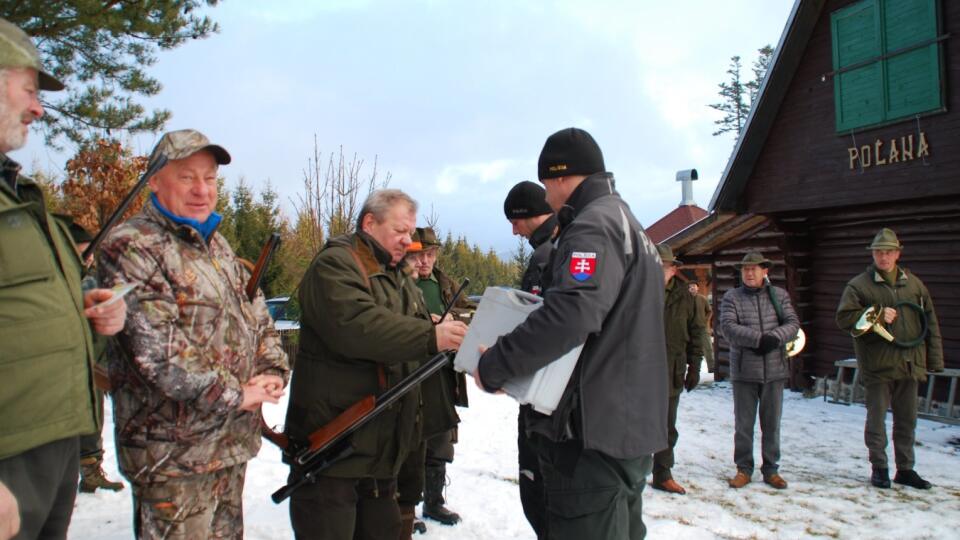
(885,239)
(666,254)
(184,143)
(18,51)
(422,238)
(755,257)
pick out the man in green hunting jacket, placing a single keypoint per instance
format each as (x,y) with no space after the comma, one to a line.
(46,356)
(364,327)
(684,330)
(891,371)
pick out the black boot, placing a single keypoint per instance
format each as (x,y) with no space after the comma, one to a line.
(912,479)
(880,478)
(433,508)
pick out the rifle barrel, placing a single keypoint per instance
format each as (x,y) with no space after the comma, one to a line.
(122,207)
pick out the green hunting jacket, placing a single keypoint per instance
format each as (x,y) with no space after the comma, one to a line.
(685,331)
(878,359)
(364,327)
(47,350)
(447,389)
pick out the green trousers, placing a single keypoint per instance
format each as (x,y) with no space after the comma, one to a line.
(901,397)
(602,498)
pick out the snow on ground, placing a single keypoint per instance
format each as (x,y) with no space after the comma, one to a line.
(823,459)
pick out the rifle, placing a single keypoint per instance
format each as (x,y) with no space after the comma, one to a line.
(260,269)
(331,442)
(453,301)
(118,213)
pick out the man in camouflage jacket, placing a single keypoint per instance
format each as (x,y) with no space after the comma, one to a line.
(684,331)
(891,371)
(199,358)
(364,327)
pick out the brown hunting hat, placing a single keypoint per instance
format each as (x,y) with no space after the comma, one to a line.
(666,254)
(755,257)
(885,239)
(184,143)
(18,51)
(423,238)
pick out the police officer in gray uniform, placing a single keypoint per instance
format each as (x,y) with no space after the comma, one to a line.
(603,289)
(531,217)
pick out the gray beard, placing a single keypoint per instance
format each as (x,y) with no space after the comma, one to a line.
(11,137)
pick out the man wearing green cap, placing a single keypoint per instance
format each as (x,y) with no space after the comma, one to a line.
(757,320)
(46,399)
(685,332)
(891,371)
(426,470)
(199,357)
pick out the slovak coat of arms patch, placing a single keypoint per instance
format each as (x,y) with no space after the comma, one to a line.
(583,265)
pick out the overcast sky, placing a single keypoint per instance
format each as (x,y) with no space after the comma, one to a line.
(455,99)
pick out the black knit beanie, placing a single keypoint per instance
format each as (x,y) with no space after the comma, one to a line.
(569,152)
(526,200)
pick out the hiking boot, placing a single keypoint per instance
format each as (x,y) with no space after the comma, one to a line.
(408,518)
(92,476)
(775,480)
(740,480)
(670,486)
(880,477)
(912,479)
(434,481)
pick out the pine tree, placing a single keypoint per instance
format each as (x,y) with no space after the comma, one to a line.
(100,51)
(733,103)
(760,66)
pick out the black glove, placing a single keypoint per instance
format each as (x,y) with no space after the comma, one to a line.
(768,342)
(692,379)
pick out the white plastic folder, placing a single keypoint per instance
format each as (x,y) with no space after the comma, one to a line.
(501,310)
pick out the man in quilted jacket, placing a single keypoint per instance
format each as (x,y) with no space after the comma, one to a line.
(757,320)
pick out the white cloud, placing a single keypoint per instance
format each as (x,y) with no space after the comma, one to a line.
(452,176)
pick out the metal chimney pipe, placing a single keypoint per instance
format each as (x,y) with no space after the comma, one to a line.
(686,178)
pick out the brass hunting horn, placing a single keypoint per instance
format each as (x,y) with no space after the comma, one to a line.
(871,320)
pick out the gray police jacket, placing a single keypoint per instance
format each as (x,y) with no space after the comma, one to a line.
(603,288)
(747,314)
(542,247)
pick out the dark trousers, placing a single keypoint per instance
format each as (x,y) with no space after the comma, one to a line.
(530,479)
(601,498)
(92,445)
(346,509)
(44,481)
(663,460)
(746,397)
(901,396)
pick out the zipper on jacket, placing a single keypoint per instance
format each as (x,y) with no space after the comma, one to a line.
(763,357)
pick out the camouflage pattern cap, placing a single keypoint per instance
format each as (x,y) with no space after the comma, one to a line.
(184,143)
(18,51)
(885,239)
(755,258)
(666,254)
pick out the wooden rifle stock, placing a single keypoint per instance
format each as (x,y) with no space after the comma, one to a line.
(330,443)
(260,269)
(453,301)
(122,207)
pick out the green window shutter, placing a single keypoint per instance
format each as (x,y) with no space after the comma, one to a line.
(913,78)
(897,84)
(859,92)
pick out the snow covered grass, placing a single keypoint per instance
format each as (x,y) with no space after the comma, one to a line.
(823,459)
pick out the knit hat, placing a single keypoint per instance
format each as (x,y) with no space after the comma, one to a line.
(755,257)
(885,239)
(568,152)
(526,200)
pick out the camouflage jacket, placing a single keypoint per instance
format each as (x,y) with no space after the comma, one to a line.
(191,340)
